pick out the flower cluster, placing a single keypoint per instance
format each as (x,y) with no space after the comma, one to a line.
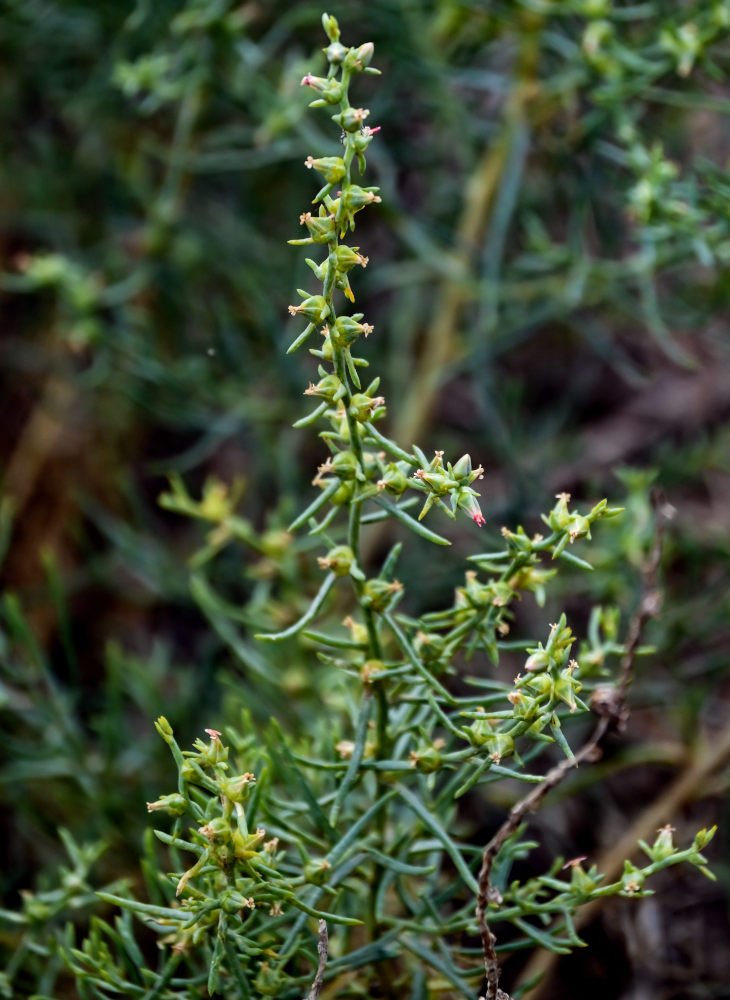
(361,465)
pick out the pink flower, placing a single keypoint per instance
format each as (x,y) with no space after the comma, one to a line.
(213,733)
(478,518)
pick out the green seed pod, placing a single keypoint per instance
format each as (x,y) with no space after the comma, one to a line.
(428,758)
(329,387)
(480,731)
(340,560)
(317,872)
(348,257)
(632,879)
(579,527)
(344,494)
(332,168)
(394,479)
(429,646)
(335,53)
(238,787)
(351,119)
(217,830)
(314,307)
(541,684)
(362,407)
(500,745)
(321,227)
(438,482)
(173,805)
(268,982)
(345,465)
(380,594)
(347,329)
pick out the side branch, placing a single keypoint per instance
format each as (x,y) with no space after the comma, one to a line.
(609,704)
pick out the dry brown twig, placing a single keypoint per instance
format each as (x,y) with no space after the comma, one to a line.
(609,704)
(322,950)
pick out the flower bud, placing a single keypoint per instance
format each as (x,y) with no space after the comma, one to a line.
(357,59)
(537,660)
(703,838)
(330,89)
(461,471)
(331,27)
(164,728)
(466,500)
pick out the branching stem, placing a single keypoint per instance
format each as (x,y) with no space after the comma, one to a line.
(610,705)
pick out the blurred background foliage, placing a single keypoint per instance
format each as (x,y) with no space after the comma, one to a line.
(549,284)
